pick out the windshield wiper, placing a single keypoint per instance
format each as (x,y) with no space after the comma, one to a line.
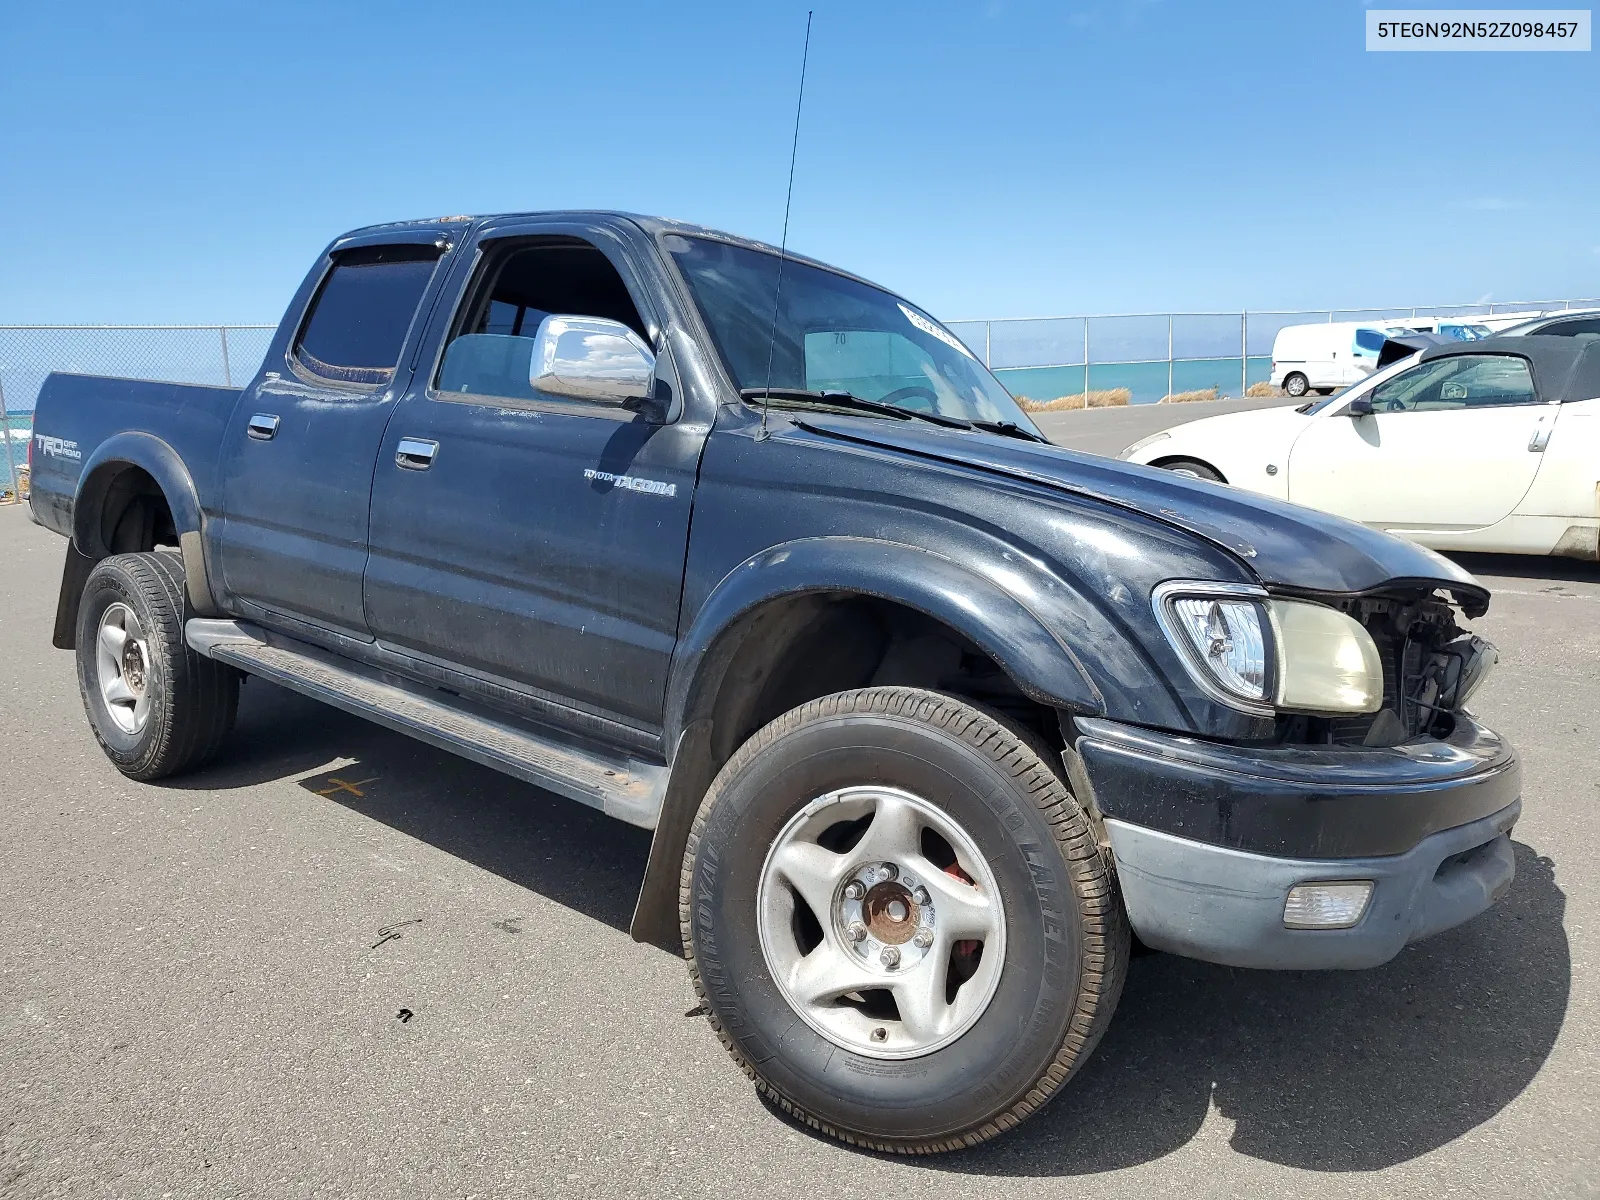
(850,400)
(1009,429)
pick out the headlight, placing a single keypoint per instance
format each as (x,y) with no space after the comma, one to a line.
(1259,655)
(1329,663)
(1219,631)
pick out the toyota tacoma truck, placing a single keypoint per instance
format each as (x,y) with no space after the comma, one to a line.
(932,720)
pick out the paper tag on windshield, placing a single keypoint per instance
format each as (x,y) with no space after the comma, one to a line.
(932,330)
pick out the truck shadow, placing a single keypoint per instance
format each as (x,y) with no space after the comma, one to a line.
(571,854)
(1530,567)
(1338,1071)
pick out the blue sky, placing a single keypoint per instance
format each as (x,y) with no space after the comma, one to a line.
(171,163)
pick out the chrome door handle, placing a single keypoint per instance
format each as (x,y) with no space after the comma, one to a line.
(415,454)
(263,426)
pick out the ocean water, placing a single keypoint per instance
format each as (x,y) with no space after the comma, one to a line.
(18,428)
(1147,381)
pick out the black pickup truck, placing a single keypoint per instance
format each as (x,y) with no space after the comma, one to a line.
(930,718)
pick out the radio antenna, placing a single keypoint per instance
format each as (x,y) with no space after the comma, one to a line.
(783,247)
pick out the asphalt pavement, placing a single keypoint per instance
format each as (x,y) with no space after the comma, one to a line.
(337,962)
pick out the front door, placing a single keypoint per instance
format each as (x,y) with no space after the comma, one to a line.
(297,454)
(1447,446)
(531,538)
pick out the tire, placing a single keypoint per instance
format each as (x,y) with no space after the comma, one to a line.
(1193,468)
(1055,916)
(175,707)
(1296,384)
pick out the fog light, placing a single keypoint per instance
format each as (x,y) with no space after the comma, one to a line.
(1326,905)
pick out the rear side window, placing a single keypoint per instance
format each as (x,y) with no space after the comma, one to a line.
(359,318)
(1572,328)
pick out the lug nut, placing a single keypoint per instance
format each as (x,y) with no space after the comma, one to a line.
(853,890)
(890,957)
(856,932)
(921,895)
(923,938)
(888,871)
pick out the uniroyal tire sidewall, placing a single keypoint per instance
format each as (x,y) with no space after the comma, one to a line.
(983,1073)
(109,585)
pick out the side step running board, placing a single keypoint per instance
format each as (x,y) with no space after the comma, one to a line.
(624,788)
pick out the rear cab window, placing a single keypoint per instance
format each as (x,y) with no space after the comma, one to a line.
(356,325)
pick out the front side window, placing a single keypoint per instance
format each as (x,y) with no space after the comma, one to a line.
(833,333)
(358,321)
(1458,382)
(1369,339)
(491,349)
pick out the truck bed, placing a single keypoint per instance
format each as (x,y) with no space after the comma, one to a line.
(76,414)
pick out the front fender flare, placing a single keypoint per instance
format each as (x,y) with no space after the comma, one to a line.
(973,604)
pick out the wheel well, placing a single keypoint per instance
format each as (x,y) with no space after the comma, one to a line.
(797,649)
(784,653)
(1170,459)
(127,513)
(121,510)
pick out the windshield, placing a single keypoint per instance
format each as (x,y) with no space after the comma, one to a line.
(833,334)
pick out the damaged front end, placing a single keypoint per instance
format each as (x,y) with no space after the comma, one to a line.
(1431,668)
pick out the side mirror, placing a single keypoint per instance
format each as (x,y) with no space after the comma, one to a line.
(591,358)
(1359,407)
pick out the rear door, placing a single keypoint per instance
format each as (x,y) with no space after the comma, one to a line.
(297,455)
(1450,445)
(532,539)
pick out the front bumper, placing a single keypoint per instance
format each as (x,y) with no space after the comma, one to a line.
(1208,839)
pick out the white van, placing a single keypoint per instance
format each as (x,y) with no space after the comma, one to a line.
(1325,356)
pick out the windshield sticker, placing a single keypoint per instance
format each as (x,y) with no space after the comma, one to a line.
(932,330)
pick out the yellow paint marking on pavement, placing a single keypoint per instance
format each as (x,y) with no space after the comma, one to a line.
(340,785)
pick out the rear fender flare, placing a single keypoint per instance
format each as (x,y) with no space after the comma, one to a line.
(115,455)
(162,463)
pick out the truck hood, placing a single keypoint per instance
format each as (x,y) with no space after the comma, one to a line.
(1284,545)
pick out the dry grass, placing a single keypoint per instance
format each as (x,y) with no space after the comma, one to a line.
(1264,389)
(1209,393)
(1106,398)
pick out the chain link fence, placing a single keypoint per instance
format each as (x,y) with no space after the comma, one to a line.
(221,355)
(1151,354)
(1154,355)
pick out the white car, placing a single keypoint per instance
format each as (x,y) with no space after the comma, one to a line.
(1485,445)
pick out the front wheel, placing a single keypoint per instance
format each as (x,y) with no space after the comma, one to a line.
(1194,469)
(900,921)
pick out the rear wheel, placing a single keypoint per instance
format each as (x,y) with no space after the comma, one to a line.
(1193,469)
(155,705)
(900,920)
(1296,384)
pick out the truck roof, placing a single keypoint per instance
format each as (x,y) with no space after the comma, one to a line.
(651,225)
